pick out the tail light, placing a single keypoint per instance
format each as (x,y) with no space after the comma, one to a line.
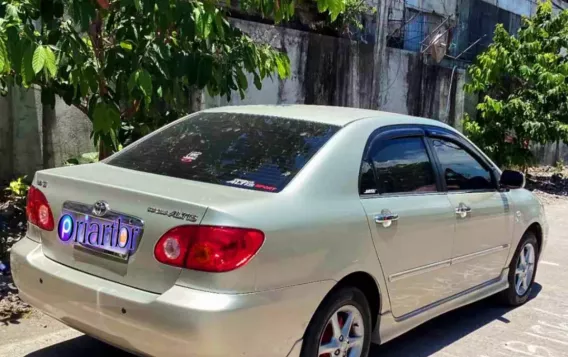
(208,248)
(38,210)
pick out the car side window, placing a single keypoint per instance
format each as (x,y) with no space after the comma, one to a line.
(401,165)
(460,170)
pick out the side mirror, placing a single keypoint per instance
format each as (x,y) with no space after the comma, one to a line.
(512,179)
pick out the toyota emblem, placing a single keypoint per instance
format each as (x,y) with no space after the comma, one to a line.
(100,208)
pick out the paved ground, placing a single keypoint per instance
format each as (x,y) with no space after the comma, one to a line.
(537,329)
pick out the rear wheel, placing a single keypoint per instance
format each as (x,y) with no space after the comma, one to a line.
(522,271)
(340,327)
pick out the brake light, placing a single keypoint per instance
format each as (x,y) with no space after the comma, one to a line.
(208,248)
(38,211)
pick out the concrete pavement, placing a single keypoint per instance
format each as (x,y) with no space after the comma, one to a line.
(484,329)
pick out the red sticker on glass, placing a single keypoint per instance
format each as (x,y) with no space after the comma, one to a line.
(264,187)
(191,156)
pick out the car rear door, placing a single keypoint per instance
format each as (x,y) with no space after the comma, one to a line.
(484,221)
(411,220)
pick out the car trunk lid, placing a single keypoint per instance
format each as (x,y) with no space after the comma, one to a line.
(153,203)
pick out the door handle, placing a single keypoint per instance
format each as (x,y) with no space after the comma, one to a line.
(386,219)
(462,210)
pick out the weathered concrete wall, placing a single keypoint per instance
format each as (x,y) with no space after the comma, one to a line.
(5,138)
(333,71)
(414,87)
(519,7)
(444,7)
(325,70)
(550,153)
(26,114)
(70,134)
(21,118)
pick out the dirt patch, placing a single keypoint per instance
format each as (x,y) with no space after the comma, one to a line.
(12,307)
(549,184)
(12,229)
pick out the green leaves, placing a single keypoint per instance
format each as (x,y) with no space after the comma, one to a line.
(49,63)
(142,80)
(38,60)
(523,80)
(135,62)
(145,83)
(125,45)
(106,122)
(4,60)
(27,69)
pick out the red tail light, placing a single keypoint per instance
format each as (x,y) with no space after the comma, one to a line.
(38,210)
(208,248)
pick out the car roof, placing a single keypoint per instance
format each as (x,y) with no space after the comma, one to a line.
(340,116)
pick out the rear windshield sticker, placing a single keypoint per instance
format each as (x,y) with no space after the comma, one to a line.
(191,156)
(241,182)
(252,184)
(264,187)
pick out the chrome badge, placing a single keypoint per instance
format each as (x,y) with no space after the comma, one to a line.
(100,208)
(174,214)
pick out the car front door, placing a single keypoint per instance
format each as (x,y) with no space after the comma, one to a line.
(412,222)
(483,218)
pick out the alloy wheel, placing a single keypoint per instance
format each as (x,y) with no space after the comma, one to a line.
(343,334)
(525,269)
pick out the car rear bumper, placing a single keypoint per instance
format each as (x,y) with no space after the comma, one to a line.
(179,322)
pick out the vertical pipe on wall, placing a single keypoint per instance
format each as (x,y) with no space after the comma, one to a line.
(450,92)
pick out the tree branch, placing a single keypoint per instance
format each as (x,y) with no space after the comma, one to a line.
(82,108)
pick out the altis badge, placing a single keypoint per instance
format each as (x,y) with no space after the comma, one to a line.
(174,214)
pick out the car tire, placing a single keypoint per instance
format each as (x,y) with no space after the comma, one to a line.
(515,295)
(342,304)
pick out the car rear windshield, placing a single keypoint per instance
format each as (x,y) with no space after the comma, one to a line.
(249,151)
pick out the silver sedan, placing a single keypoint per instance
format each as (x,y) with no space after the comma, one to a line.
(277,231)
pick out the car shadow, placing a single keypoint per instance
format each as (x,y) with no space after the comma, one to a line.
(423,341)
(434,335)
(84,346)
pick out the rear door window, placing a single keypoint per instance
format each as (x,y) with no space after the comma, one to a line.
(241,150)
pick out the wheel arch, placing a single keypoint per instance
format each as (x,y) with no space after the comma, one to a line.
(536,229)
(368,285)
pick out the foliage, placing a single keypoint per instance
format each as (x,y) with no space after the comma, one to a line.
(351,17)
(86,158)
(559,166)
(524,82)
(131,65)
(18,188)
(12,214)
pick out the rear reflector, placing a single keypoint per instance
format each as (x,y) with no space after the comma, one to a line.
(208,248)
(38,211)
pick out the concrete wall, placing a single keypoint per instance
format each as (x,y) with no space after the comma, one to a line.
(325,70)
(333,71)
(5,138)
(411,86)
(443,7)
(519,7)
(21,119)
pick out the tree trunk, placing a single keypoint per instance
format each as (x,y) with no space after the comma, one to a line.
(196,100)
(47,124)
(104,150)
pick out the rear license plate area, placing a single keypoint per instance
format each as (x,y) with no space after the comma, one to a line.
(113,234)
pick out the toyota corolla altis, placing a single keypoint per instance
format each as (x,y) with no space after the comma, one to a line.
(277,231)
